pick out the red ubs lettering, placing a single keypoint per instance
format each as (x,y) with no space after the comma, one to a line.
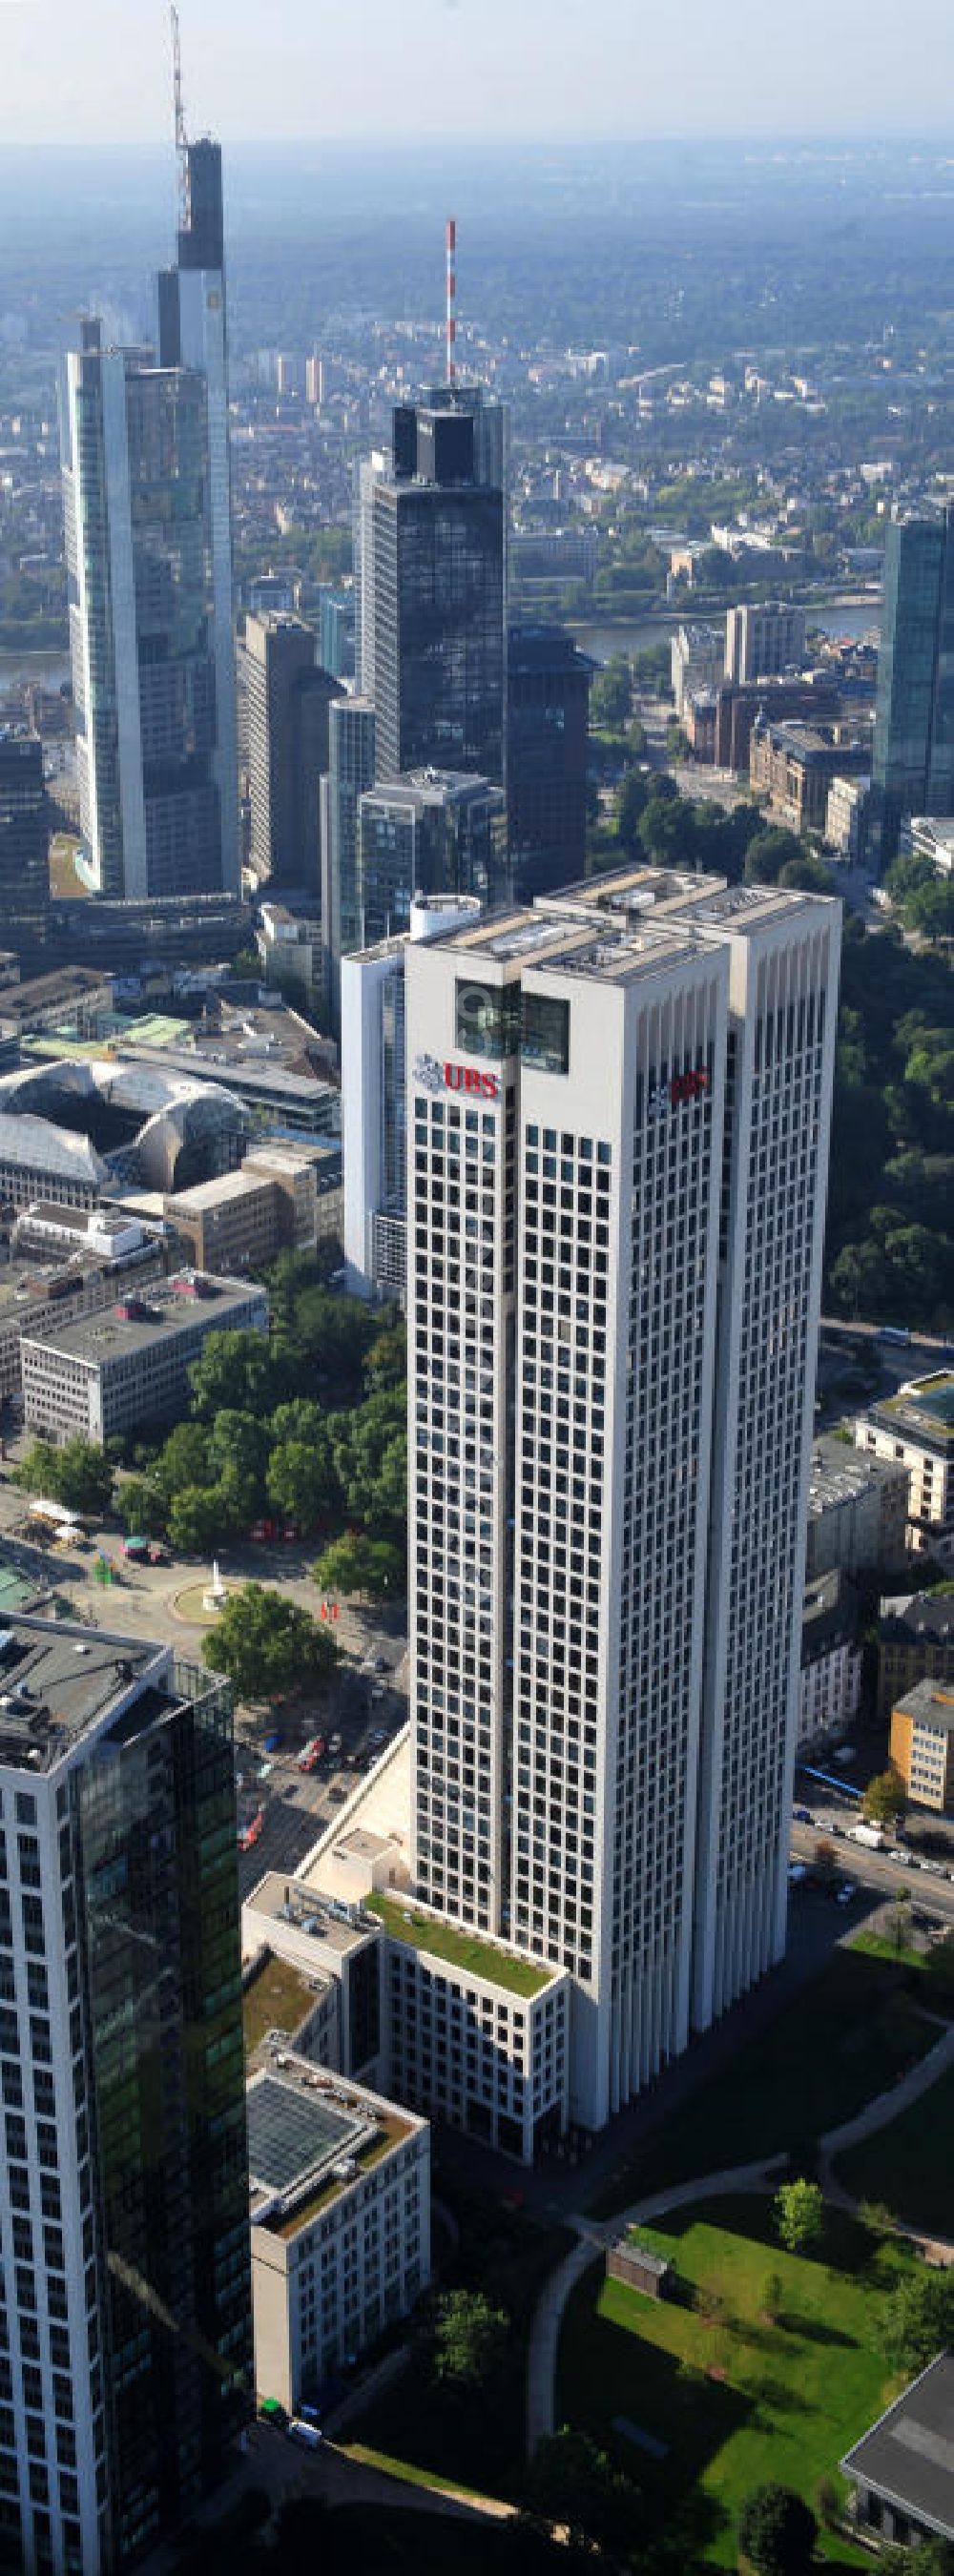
(463,1077)
(687,1086)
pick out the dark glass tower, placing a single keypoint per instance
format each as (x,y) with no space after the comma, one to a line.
(437,599)
(125,2308)
(24,837)
(913,756)
(432,833)
(548,701)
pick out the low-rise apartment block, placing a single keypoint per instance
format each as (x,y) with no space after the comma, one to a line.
(111,1372)
(916,1429)
(915,1643)
(857,1510)
(830,1678)
(922,1745)
(340,2190)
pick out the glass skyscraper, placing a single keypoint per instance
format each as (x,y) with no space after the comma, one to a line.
(149,566)
(913,756)
(125,2320)
(434,832)
(433,594)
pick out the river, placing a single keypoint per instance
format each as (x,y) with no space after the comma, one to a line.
(852,617)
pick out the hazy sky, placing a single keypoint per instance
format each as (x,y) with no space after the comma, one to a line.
(84,70)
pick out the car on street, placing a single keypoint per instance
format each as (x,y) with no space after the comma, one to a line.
(846,1893)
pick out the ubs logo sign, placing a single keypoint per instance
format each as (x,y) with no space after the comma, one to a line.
(433,1076)
(669,1095)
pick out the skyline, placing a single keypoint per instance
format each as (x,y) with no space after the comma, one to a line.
(440,73)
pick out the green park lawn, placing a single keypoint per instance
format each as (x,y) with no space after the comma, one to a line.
(910,2165)
(743,2399)
(850,2032)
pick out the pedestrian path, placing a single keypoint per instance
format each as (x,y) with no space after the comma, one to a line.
(594,2236)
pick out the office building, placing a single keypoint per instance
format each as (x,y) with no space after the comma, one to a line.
(61,1269)
(285,1197)
(913,758)
(340,2211)
(847,817)
(857,1510)
(123,2167)
(930,836)
(287,698)
(829,1694)
(436,538)
(351,736)
(697,662)
(108,1373)
(793,765)
(916,1428)
(902,2471)
(149,565)
(548,704)
(618,1115)
(368,471)
(432,832)
(24,837)
(922,1745)
(762,638)
(373,1098)
(915,1643)
(336,631)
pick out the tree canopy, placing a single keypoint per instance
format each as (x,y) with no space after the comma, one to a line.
(777,2531)
(884,1799)
(799,2211)
(469,2339)
(266,1645)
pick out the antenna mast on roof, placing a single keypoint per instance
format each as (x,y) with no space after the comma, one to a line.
(451,239)
(182,145)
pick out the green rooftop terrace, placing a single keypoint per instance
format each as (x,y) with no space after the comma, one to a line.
(466,1950)
(932,1398)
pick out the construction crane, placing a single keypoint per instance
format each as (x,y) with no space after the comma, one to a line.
(182,141)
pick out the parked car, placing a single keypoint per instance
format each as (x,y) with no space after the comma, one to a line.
(846,1893)
(309,2435)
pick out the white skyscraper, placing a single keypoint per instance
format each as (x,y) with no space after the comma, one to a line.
(373,1098)
(618,1111)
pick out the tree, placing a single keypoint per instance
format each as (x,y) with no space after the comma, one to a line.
(632,798)
(570,2481)
(234,1372)
(39,1471)
(769,851)
(777,2531)
(183,1460)
(918,2319)
(360,1564)
(85,1477)
(470,2339)
(301,1483)
(799,2212)
(266,1644)
(142,1508)
(884,1798)
(611,696)
(386,1364)
(199,1519)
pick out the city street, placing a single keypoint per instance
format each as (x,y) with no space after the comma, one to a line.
(140,1602)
